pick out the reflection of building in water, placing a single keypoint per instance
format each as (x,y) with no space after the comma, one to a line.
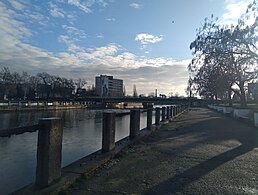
(107,86)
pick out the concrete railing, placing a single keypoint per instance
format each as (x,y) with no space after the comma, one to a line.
(238,113)
(227,110)
(49,147)
(256,118)
(241,113)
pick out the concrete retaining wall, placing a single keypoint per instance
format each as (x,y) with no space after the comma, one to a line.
(238,113)
(256,119)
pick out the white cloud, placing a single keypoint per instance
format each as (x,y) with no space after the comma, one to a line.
(56,11)
(9,26)
(71,30)
(100,52)
(36,16)
(99,36)
(110,19)
(17,5)
(147,38)
(87,5)
(64,39)
(24,11)
(234,10)
(72,35)
(83,6)
(74,48)
(135,5)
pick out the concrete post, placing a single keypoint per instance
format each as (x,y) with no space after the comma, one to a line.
(163,113)
(149,118)
(108,131)
(168,109)
(49,151)
(157,116)
(171,111)
(134,123)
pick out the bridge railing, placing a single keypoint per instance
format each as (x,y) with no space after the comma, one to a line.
(50,135)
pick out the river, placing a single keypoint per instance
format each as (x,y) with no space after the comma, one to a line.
(82,136)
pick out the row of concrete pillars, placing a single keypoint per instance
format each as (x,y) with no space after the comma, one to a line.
(49,148)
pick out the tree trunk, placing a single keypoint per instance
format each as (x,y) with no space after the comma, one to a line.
(229,97)
(242,94)
(216,98)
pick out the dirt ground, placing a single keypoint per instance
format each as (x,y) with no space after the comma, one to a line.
(200,152)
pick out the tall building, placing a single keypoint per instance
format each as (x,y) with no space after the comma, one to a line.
(107,86)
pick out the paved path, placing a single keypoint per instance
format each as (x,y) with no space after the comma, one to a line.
(201,152)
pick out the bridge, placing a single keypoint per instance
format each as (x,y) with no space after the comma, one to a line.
(155,100)
(98,101)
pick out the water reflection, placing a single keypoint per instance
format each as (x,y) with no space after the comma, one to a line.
(82,136)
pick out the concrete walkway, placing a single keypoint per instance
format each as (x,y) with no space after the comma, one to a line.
(201,152)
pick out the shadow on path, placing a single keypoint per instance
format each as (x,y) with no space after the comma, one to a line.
(197,153)
(177,183)
(216,129)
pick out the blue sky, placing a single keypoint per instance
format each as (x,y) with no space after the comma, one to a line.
(143,42)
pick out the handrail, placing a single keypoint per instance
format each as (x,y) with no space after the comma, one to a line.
(18,130)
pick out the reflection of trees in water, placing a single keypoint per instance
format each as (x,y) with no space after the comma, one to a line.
(71,118)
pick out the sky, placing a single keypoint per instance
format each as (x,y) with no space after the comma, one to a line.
(144,42)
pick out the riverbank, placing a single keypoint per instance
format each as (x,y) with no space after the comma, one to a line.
(17,108)
(89,163)
(82,136)
(201,152)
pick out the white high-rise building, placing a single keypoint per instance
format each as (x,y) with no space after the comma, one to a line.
(107,86)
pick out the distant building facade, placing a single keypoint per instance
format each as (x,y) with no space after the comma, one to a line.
(107,86)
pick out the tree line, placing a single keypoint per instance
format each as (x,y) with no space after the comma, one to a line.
(225,57)
(14,85)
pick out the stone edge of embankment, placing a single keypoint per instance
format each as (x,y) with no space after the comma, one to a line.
(87,165)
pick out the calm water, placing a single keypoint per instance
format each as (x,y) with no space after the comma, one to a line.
(82,136)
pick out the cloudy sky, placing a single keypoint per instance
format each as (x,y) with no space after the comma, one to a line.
(143,42)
